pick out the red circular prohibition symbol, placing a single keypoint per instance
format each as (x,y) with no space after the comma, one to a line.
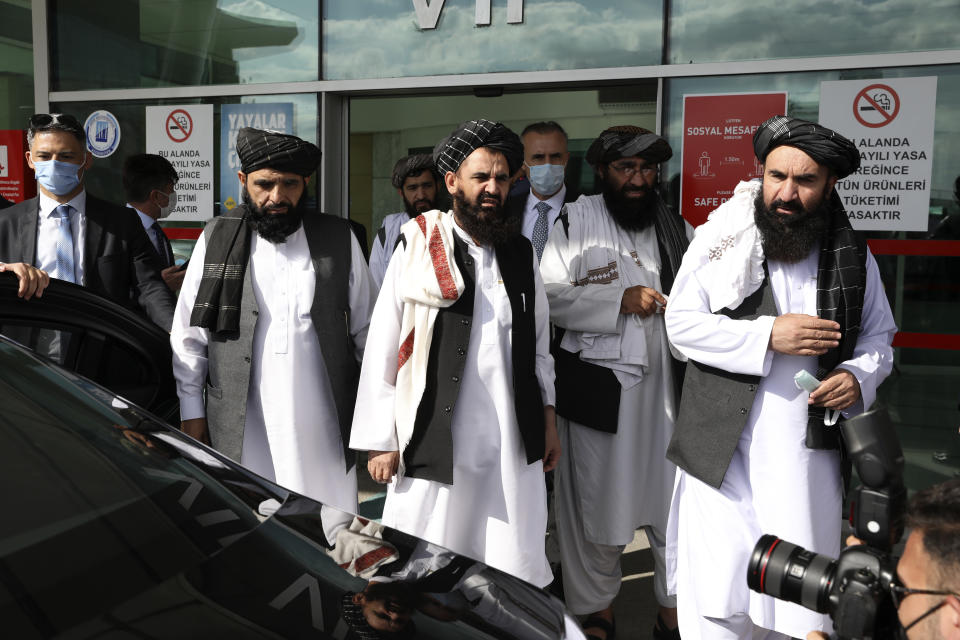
(886,111)
(173,125)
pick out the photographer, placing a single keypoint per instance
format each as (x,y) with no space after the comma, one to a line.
(928,602)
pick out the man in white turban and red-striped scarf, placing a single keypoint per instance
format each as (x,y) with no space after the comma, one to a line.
(456,388)
(776,282)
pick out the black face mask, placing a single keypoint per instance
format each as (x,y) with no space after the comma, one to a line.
(632,214)
(790,237)
(273,227)
(487,227)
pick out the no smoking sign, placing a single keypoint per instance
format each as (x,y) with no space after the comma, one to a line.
(179,125)
(876,106)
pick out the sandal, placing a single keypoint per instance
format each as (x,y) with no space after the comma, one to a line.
(596,622)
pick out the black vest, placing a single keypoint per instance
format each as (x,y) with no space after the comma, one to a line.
(429,455)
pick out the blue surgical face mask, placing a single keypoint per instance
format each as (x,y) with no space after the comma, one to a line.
(56,176)
(546,179)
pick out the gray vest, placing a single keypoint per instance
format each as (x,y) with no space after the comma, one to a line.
(228,373)
(715,405)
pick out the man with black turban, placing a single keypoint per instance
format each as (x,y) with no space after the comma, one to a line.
(607,269)
(776,282)
(457,379)
(415,179)
(270,327)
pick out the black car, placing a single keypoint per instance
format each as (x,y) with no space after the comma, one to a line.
(116,525)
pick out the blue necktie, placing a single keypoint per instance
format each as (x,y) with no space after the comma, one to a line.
(65,266)
(540,229)
(162,244)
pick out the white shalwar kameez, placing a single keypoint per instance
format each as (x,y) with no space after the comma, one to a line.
(496,509)
(774,484)
(380,252)
(291,434)
(610,484)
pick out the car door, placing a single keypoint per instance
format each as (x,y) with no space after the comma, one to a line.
(90,335)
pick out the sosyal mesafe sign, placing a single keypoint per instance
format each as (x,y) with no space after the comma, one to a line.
(891,122)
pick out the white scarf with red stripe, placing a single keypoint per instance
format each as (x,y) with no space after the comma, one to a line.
(431,280)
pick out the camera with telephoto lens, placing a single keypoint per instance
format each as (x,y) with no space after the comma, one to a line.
(855,588)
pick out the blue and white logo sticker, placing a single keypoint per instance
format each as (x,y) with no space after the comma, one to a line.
(103,133)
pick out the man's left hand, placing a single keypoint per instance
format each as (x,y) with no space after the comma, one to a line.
(173,276)
(838,390)
(551,451)
(32,280)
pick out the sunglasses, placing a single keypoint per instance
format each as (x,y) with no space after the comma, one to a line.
(41,120)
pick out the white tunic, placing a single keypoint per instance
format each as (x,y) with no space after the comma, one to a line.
(495,510)
(622,480)
(774,484)
(291,434)
(381,251)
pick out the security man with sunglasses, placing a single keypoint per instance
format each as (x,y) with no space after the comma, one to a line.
(68,234)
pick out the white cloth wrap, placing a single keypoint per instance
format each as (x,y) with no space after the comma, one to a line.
(729,250)
(423,297)
(593,236)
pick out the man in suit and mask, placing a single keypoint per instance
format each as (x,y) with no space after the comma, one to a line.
(72,235)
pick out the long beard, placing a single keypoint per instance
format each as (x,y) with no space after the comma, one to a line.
(632,214)
(790,238)
(487,227)
(273,227)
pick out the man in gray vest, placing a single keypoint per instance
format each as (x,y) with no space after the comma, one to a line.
(607,268)
(774,284)
(457,381)
(270,327)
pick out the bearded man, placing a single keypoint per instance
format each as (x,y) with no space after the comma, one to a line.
(270,327)
(607,268)
(416,181)
(457,380)
(776,282)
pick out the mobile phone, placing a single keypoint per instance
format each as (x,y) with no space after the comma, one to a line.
(184,265)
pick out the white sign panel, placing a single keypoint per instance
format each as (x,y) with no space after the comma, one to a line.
(184,136)
(891,122)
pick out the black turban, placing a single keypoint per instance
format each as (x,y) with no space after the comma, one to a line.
(412,166)
(259,149)
(450,152)
(825,146)
(626,141)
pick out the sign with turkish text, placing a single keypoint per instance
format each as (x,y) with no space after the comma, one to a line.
(233,117)
(717,147)
(17,182)
(184,136)
(891,122)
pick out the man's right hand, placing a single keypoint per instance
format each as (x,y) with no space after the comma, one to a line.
(173,276)
(817,635)
(383,465)
(642,301)
(796,334)
(32,280)
(196,428)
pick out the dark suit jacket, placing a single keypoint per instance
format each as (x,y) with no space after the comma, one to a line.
(119,260)
(517,198)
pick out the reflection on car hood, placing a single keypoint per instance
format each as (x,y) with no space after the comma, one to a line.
(119,524)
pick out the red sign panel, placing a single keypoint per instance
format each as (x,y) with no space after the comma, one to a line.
(717,147)
(16,178)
